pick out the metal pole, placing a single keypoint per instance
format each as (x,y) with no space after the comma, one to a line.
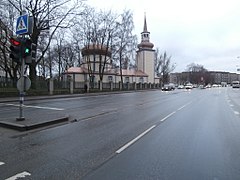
(21,97)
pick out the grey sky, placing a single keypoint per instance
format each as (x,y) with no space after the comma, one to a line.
(206,32)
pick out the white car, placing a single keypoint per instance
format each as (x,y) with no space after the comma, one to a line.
(181,87)
(188,86)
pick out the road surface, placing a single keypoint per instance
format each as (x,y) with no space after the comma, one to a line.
(144,135)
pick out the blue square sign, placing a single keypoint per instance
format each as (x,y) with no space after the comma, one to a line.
(22,24)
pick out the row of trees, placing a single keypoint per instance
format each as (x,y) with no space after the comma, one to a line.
(62,28)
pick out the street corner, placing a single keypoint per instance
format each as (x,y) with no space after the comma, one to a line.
(30,123)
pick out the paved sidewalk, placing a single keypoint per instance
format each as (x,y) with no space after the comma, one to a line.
(33,121)
(39,118)
(36,119)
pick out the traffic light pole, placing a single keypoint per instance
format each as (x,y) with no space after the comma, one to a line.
(21,93)
(24,26)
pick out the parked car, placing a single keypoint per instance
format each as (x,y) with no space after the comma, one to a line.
(202,86)
(236,84)
(181,87)
(188,86)
(168,87)
(208,86)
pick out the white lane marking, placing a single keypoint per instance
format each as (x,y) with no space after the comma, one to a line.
(42,107)
(38,107)
(20,175)
(134,140)
(236,112)
(168,116)
(182,107)
(231,105)
(2,163)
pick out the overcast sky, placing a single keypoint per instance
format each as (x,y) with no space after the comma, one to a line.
(205,32)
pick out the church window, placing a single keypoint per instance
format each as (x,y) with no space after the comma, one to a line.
(110,78)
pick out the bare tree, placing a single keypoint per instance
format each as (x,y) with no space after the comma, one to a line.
(163,66)
(197,73)
(85,35)
(104,37)
(124,41)
(95,30)
(48,15)
(7,16)
(193,67)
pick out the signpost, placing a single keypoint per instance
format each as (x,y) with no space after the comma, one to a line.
(22,87)
(23,26)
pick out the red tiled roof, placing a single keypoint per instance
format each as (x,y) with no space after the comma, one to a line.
(76,70)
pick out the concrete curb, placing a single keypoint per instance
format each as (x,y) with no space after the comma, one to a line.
(27,127)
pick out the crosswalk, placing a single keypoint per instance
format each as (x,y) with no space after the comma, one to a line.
(16,176)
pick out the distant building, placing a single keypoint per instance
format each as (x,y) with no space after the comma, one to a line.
(94,53)
(212,77)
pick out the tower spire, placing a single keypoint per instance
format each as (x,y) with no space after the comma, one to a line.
(145,23)
(145,36)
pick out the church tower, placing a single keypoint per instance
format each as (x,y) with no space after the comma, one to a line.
(146,54)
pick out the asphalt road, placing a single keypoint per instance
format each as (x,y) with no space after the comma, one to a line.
(144,135)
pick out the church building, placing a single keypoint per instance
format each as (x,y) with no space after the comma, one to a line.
(93,54)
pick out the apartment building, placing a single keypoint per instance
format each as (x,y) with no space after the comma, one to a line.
(207,77)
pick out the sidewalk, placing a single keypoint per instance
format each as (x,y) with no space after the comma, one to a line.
(35,119)
(33,123)
(41,117)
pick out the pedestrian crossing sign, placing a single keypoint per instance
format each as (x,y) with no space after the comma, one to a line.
(22,24)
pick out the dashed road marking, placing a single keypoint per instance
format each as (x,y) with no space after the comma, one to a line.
(134,140)
(148,130)
(20,175)
(2,163)
(182,107)
(231,105)
(168,116)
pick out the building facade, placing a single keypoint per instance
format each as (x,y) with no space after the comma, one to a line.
(207,77)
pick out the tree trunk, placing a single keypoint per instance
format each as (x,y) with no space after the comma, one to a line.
(33,74)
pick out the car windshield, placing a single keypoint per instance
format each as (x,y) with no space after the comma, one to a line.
(119,90)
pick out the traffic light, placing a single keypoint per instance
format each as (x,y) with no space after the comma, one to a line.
(15,49)
(34,49)
(29,51)
(27,48)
